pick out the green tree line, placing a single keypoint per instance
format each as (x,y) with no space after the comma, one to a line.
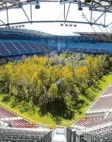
(53,83)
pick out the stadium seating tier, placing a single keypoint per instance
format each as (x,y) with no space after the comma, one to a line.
(17,42)
(14,120)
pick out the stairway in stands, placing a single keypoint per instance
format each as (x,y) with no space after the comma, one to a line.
(59,135)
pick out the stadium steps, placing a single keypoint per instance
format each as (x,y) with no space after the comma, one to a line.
(59,135)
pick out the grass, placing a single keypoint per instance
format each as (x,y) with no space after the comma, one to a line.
(35,118)
(93,92)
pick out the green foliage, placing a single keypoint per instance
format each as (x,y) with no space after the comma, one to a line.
(6,98)
(56,84)
(53,90)
(13,102)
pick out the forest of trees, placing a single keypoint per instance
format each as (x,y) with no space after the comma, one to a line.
(53,83)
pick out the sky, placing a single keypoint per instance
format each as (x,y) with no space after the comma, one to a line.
(55,11)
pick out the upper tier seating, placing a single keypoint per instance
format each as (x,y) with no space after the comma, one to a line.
(16,42)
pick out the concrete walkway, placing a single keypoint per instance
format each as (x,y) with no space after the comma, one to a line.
(59,138)
(59,135)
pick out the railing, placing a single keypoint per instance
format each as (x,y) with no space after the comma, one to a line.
(80,138)
(47,137)
(70,135)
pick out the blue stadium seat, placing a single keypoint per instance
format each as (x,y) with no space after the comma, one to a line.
(35,48)
(25,42)
(96,45)
(20,47)
(11,47)
(3,50)
(27,47)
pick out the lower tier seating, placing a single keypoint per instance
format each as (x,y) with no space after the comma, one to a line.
(101,135)
(15,135)
(21,123)
(5,113)
(14,120)
(108,90)
(90,122)
(22,47)
(102,103)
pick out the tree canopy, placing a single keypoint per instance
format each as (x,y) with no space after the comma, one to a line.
(54,84)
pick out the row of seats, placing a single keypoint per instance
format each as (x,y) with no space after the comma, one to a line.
(108,90)
(88,45)
(15,135)
(94,118)
(102,103)
(8,48)
(21,123)
(86,50)
(31,34)
(5,113)
(21,47)
(90,122)
(103,130)
(98,137)
(18,123)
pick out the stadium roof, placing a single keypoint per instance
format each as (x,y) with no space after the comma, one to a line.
(86,18)
(101,36)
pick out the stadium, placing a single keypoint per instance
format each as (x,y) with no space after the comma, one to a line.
(59,68)
(18,42)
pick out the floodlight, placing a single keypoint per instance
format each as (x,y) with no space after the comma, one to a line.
(37,6)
